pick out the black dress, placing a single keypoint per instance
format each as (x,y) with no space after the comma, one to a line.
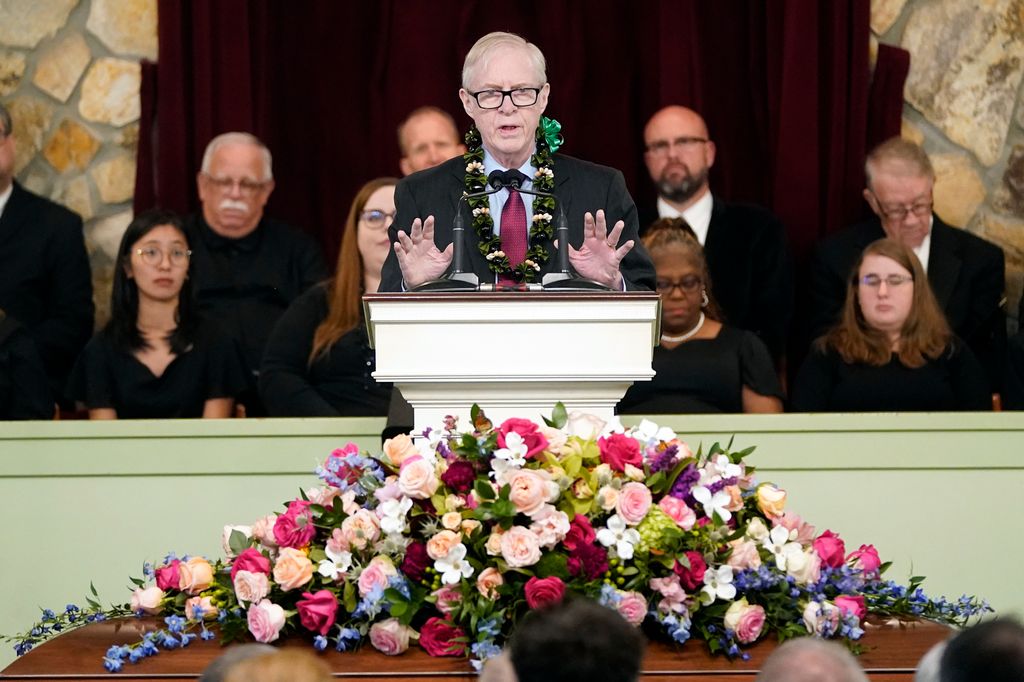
(954,381)
(705,376)
(338,384)
(105,376)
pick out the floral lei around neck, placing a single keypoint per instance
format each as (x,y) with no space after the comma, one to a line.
(549,139)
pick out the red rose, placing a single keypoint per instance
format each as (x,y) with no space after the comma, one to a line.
(580,533)
(541,592)
(252,561)
(295,527)
(830,548)
(535,441)
(693,577)
(618,450)
(436,637)
(317,611)
(167,577)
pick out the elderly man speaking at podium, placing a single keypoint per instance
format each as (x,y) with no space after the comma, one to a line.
(510,191)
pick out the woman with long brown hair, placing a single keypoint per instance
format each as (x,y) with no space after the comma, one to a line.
(318,361)
(892,349)
(701,364)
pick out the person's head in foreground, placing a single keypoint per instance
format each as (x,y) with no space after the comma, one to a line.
(992,651)
(233,655)
(808,659)
(576,640)
(285,665)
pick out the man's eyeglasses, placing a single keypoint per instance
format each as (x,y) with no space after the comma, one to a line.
(688,285)
(875,281)
(376,218)
(152,255)
(900,213)
(662,147)
(245,186)
(493,99)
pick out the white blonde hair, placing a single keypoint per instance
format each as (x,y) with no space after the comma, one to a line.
(478,55)
(238,138)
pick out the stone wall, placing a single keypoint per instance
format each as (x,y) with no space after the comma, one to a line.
(69,74)
(963,102)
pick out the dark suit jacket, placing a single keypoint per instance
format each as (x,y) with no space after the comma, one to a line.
(45,280)
(580,186)
(965,272)
(750,268)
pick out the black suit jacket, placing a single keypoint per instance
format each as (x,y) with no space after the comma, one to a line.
(580,186)
(966,273)
(750,268)
(45,280)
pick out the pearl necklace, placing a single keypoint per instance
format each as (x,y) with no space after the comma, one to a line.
(687,335)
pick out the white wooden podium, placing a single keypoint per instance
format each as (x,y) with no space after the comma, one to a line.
(515,354)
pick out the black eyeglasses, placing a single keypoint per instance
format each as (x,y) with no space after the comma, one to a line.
(376,218)
(493,99)
(688,285)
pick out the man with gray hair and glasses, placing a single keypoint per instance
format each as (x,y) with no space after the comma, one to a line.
(45,280)
(248,268)
(966,272)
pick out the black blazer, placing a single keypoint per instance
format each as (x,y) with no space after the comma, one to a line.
(966,273)
(45,279)
(580,186)
(750,268)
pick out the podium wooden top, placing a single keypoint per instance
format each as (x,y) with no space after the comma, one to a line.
(890,653)
(479,296)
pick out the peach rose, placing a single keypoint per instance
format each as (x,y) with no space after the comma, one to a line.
(293,568)
(441,543)
(452,520)
(493,544)
(678,511)
(147,600)
(322,496)
(633,503)
(735,498)
(607,497)
(469,526)
(376,574)
(556,438)
(251,587)
(399,448)
(771,500)
(744,555)
(200,606)
(488,582)
(530,490)
(361,529)
(194,575)
(390,637)
(519,547)
(417,478)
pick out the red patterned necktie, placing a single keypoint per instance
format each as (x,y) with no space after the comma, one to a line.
(513,231)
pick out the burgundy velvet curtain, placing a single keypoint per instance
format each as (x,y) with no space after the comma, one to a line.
(784,86)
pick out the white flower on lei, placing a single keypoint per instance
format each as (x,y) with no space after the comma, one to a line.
(454,566)
(619,535)
(784,551)
(649,432)
(713,504)
(392,515)
(717,584)
(512,456)
(336,565)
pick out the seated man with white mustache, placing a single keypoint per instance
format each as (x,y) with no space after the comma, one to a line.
(248,267)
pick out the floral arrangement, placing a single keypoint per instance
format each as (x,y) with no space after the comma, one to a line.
(548,139)
(449,539)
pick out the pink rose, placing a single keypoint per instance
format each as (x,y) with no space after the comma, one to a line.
(390,637)
(198,608)
(148,600)
(417,478)
(618,450)
(263,530)
(436,638)
(519,547)
(793,522)
(584,426)
(168,577)
(295,527)
(252,561)
(376,574)
(360,529)
(550,526)
(542,592)
(854,605)
(293,569)
(678,511)
(633,607)
(448,598)
(265,621)
(488,582)
(529,490)
(399,448)
(195,575)
(251,587)
(744,555)
(317,611)
(693,577)
(745,620)
(866,559)
(633,503)
(533,439)
(830,548)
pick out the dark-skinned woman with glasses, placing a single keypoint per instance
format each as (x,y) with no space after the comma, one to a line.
(702,364)
(156,358)
(892,349)
(318,361)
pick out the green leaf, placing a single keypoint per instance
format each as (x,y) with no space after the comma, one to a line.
(238,542)
(483,490)
(559,416)
(349,597)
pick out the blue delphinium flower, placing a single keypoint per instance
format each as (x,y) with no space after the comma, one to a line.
(175,623)
(48,615)
(347,638)
(319,642)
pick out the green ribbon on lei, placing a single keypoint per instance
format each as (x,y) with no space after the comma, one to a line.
(551,131)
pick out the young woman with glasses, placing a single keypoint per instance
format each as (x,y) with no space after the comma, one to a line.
(702,364)
(318,361)
(156,358)
(892,349)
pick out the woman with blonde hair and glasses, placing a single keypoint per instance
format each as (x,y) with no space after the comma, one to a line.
(702,364)
(892,349)
(318,361)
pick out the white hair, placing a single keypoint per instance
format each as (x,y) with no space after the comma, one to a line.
(478,55)
(238,138)
(809,659)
